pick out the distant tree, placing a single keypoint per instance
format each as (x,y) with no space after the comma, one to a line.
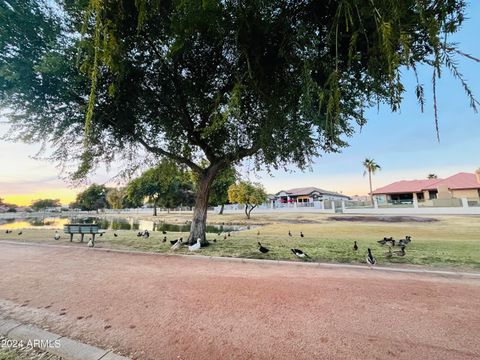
(251,195)
(167,185)
(42,204)
(432,176)
(115,198)
(371,168)
(92,198)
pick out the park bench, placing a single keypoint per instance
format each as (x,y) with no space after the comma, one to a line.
(82,229)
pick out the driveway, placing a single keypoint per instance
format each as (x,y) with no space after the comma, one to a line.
(169,307)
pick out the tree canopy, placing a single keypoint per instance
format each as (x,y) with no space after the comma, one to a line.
(280,81)
(42,204)
(92,198)
(167,185)
(248,194)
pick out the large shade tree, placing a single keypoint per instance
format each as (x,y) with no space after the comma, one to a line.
(279,81)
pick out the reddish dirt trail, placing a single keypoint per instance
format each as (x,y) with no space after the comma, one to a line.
(158,307)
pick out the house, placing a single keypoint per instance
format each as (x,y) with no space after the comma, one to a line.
(306,195)
(461,185)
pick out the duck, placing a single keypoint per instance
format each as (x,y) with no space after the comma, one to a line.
(370,259)
(8,231)
(56,236)
(139,234)
(101,234)
(391,241)
(164,239)
(262,249)
(177,244)
(228,234)
(115,234)
(164,232)
(146,234)
(175,241)
(301,234)
(90,243)
(299,253)
(400,252)
(384,241)
(224,237)
(196,246)
(289,233)
(258,233)
(355,246)
(20,233)
(215,240)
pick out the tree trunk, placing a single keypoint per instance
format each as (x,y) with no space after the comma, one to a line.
(221,209)
(250,211)
(247,214)
(154,208)
(199,221)
(370,181)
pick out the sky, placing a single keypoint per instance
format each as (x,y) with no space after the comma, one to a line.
(404,143)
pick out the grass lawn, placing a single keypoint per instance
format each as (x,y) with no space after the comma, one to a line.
(452,242)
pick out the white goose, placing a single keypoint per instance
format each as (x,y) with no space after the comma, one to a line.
(56,236)
(90,243)
(196,246)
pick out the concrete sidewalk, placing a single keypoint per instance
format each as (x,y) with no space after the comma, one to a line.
(32,336)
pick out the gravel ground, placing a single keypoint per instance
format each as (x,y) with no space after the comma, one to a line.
(167,307)
(23,352)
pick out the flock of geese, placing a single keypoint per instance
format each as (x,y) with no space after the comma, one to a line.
(178,243)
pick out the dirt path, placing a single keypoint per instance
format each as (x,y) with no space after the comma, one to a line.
(157,307)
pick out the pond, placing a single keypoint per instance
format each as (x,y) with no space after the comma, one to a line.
(113,224)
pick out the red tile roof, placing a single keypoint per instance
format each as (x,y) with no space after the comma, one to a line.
(406,186)
(308,191)
(459,181)
(456,182)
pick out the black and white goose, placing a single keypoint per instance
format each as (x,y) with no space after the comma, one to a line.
(370,259)
(177,244)
(56,236)
(146,234)
(173,242)
(301,234)
(299,253)
(262,249)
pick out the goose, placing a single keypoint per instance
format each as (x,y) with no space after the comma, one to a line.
(382,242)
(139,234)
(299,253)
(289,233)
(90,243)
(301,234)
(164,232)
(20,233)
(400,252)
(177,244)
(56,236)
(146,234)
(196,246)
(370,259)
(391,241)
(262,249)
(101,234)
(164,239)
(115,234)
(355,246)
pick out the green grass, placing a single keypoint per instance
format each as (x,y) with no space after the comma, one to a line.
(6,354)
(453,242)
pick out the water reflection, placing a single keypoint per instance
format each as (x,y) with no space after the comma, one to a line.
(113,224)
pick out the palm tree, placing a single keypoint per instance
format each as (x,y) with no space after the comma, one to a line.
(371,167)
(432,176)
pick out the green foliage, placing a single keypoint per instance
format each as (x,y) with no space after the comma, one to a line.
(280,81)
(251,195)
(92,198)
(371,167)
(167,185)
(42,204)
(115,198)
(220,186)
